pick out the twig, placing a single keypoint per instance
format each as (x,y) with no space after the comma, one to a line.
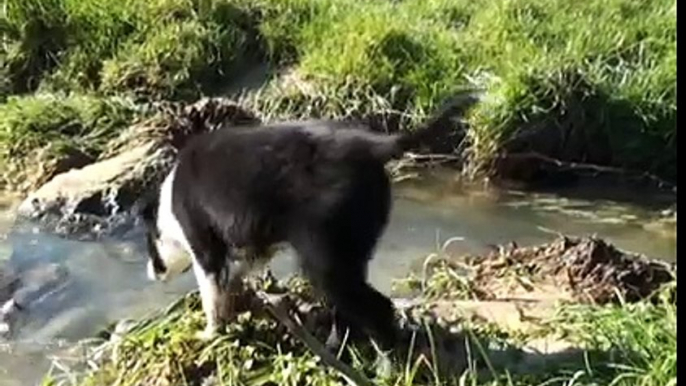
(277,305)
(414,160)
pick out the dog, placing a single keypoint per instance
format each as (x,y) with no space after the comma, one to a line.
(320,186)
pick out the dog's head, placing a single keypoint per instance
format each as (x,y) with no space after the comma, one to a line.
(166,257)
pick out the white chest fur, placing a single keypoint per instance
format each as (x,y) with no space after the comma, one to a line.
(172,244)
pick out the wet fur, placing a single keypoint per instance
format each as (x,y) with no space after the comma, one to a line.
(319,186)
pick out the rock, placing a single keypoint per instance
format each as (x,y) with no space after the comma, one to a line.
(39,282)
(121,329)
(82,200)
(8,318)
(8,283)
(40,165)
(95,199)
(28,288)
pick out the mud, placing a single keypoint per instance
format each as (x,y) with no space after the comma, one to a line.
(590,269)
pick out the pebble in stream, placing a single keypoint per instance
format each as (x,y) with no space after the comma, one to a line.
(21,291)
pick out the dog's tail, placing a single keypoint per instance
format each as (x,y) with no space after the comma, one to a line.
(397,145)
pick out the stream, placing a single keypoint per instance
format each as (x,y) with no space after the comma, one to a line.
(106,280)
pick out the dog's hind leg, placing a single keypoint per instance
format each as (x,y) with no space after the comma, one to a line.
(343,281)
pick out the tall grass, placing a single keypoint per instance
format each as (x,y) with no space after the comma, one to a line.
(637,341)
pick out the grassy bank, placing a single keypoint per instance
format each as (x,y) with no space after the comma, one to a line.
(576,81)
(629,345)
(613,344)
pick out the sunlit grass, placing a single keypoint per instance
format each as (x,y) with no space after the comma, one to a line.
(604,73)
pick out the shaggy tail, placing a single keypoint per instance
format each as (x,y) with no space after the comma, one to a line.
(431,128)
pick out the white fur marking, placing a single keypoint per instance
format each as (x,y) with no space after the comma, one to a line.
(151,272)
(210,298)
(172,245)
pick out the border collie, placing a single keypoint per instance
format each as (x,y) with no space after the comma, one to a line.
(235,194)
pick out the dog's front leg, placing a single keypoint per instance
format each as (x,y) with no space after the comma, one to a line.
(215,295)
(218,292)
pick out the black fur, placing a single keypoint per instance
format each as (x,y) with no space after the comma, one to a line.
(319,186)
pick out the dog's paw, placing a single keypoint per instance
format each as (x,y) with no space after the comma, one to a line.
(206,334)
(384,366)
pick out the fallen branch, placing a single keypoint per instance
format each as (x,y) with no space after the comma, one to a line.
(581,167)
(277,305)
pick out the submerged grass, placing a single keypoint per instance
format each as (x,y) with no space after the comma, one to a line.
(585,81)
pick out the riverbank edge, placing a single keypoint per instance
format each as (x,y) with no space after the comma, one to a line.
(447,311)
(99,197)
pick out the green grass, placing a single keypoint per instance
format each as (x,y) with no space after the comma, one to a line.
(629,344)
(638,340)
(603,73)
(163,48)
(80,122)
(39,131)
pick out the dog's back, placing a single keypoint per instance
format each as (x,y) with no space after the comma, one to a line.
(261,182)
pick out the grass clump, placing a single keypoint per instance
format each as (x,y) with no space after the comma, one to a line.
(163,48)
(78,121)
(184,54)
(579,82)
(590,71)
(45,134)
(67,37)
(165,350)
(637,341)
(366,59)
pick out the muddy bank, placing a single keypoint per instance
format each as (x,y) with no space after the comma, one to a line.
(509,288)
(584,270)
(589,268)
(520,289)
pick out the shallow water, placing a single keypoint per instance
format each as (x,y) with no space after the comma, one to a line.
(108,282)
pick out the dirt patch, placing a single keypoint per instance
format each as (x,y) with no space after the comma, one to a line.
(589,269)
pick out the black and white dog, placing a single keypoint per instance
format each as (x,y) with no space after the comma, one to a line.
(319,186)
